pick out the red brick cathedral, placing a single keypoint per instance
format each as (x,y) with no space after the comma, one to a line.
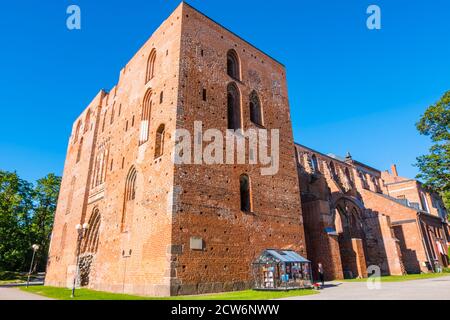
(160,228)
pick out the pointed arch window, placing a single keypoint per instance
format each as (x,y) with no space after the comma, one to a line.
(333,172)
(63,238)
(159,142)
(100,165)
(424,202)
(233,65)
(234,107)
(130,188)
(71,192)
(104,120)
(245,191)
(256,114)
(145,118)
(363,178)
(151,66)
(314,164)
(111,121)
(87,121)
(77,131)
(80,148)
(347,174)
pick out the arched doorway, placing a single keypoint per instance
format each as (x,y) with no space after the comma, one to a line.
(349,228)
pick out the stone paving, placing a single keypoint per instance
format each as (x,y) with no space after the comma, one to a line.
(429,289)
(14,293)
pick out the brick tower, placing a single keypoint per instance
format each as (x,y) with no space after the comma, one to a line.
(158,227)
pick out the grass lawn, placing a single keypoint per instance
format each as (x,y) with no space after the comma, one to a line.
(408,277)
(86,294)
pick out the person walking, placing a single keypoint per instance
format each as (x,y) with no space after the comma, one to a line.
(321,274)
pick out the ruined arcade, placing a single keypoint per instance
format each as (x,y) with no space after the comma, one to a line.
(160,228)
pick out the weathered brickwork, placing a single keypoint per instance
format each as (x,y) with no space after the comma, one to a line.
(160,228)
(352,218)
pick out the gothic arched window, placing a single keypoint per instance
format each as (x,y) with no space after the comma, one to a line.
(333,170)
(234,107)
(151,66)
(245,191)
(87,121)
(77,131)
(130,188)
(70,197)
(92,238)
(63,238)
(159,141)
(80,148)
(314,164)
(233,66)
(424,202)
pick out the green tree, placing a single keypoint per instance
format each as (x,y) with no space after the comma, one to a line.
(16,203)
(45,199)
(26,218)
(435,166)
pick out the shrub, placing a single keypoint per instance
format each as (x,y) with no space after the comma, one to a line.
(8,275)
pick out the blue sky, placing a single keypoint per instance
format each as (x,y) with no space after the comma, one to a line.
(351,89)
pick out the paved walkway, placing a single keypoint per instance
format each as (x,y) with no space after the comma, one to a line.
(14,293)
(429,289)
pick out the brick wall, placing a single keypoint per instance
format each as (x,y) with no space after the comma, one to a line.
(148,252)
(208,198)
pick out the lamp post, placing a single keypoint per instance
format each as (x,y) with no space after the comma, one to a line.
(35,248)
(81,229)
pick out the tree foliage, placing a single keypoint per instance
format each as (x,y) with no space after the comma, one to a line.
(26,218)
(435,166)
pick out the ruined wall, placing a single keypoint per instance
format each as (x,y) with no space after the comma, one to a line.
(72,197)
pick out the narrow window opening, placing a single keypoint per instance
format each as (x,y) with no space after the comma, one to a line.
(145,118)
(233,67)
(151,66)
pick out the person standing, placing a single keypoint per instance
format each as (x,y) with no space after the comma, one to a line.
(321,274)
